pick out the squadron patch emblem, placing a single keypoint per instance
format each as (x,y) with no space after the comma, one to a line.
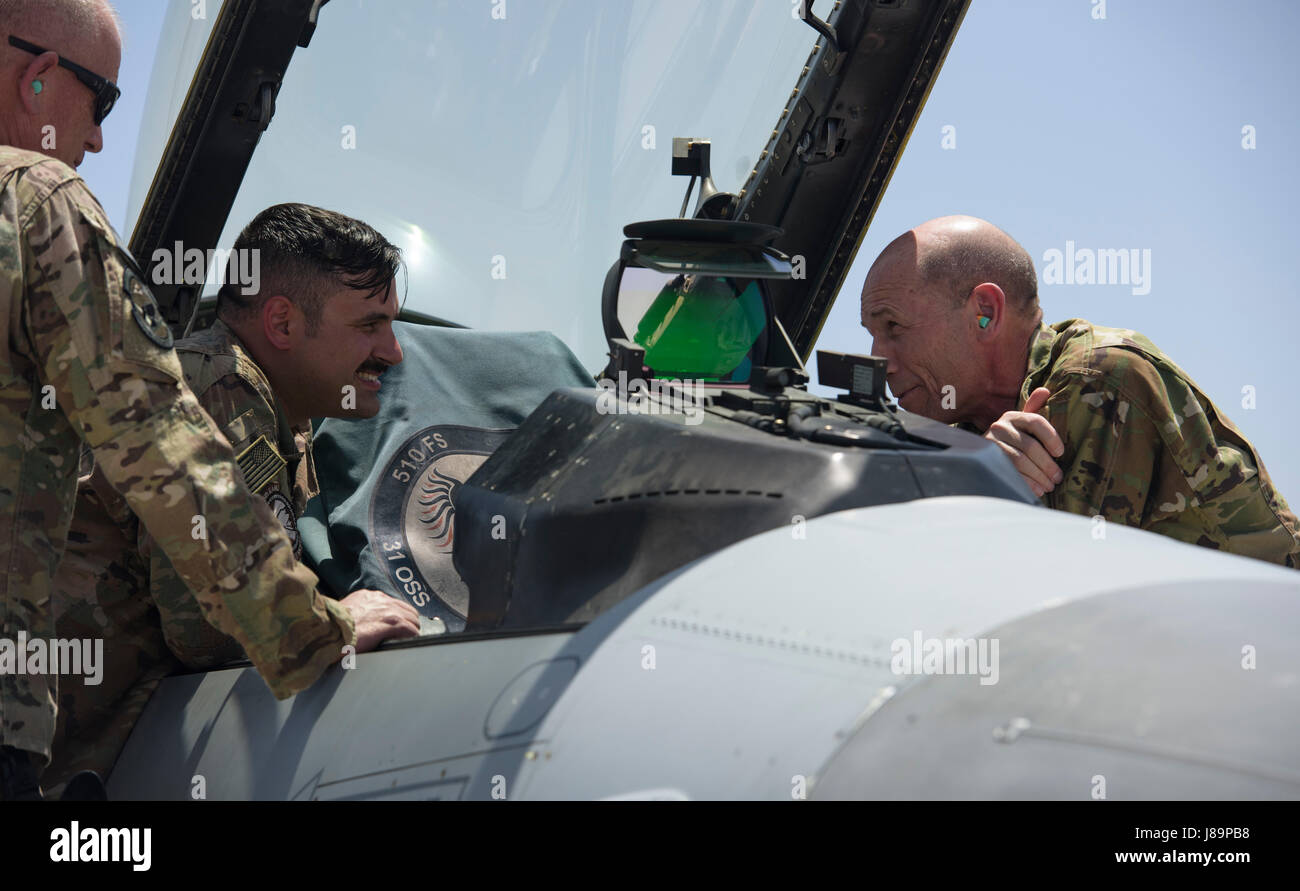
(413,516)
(145,311)
(283,510)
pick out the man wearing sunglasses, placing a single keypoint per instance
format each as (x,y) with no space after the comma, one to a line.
(64,76)
(86,360)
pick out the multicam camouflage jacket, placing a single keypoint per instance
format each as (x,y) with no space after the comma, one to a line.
(1146,448)
(87,358)
(115,582)
(276,463)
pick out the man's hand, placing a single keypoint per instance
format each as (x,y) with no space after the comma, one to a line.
(379,617)
(1031,443)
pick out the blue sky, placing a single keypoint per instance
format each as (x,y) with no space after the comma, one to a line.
(109,172)
(1126,133)
(1115,133)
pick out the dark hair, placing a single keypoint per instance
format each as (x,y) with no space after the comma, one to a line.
(299,246)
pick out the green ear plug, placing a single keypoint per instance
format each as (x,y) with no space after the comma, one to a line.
(984,321)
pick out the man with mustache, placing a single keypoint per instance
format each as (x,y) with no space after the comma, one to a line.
(313,342)
(87,367)
(1096,419)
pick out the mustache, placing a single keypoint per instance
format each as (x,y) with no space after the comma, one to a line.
(374,367)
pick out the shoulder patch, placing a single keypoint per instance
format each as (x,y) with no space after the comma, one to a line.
(260,463)
(145,312)
(283,510)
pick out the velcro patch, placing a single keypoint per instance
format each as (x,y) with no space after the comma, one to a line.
(260,464)
(145,311)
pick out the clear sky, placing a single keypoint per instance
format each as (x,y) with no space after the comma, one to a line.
(1127,133)
(1117,133)
(109,172)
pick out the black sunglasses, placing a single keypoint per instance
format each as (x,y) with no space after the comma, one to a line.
(106,92)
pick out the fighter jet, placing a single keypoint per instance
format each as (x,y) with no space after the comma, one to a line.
(687,577)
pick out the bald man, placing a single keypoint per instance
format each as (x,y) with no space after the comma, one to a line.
(86,360)
(1097,420)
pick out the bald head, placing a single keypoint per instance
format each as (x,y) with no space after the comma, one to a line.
(950,256)
(58,24)
(44,105)
(954,254)
(952,304)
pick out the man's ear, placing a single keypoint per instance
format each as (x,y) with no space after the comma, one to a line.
(280,321)
(39,69)
(987,301)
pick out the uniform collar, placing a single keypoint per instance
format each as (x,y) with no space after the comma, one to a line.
(1040,358)
(285,432)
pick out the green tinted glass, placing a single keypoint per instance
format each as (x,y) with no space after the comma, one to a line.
(701,326)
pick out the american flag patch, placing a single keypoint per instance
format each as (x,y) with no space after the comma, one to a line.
(260,463)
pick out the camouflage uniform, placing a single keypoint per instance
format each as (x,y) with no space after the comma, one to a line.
(116,583)
(86,358)
(1146,448)
(276,462)
(100,597)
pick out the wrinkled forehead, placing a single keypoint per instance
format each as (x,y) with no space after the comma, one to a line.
(893,277)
